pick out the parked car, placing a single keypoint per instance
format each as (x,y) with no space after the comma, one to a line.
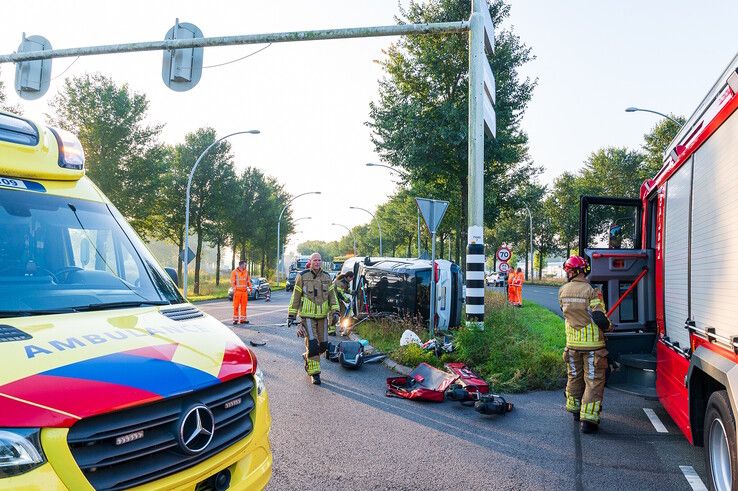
(260,288)
(496,279)
(291,277)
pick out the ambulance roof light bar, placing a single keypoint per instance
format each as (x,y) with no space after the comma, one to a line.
(71,153)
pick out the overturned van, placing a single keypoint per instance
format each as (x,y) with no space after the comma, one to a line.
(401,286)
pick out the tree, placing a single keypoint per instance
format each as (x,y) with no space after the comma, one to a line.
(122,153)
(562,210)
(210,184)
(419,122)
(656,141)
(4,106)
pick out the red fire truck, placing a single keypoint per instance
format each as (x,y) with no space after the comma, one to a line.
(667,264)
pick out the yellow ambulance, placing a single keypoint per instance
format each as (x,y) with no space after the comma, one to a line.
(109,379)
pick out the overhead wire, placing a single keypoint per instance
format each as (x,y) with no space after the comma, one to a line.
(67,68)
(239,59)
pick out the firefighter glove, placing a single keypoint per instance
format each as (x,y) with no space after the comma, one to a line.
(335,318)
(601,320)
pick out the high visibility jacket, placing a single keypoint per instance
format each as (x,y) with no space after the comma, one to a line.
(342,288)
(240,280)
(314,295)
(517,279)
(577,300)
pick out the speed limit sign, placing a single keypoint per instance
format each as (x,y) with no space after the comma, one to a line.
(503,267)
(503,254)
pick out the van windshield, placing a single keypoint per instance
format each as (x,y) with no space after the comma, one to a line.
(62,254)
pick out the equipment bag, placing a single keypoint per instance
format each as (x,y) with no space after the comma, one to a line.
(425,383)
(467,378)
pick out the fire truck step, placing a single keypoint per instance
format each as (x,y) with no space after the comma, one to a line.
(637,375)
(648,393)
(645,361)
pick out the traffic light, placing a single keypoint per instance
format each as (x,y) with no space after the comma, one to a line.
(32,77)
(181,68)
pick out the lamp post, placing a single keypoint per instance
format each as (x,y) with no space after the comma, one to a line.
(635,109)
(406,176)
(279,223)
(379,227)
(350,231)
(295,220)
(530,216)
(185,255)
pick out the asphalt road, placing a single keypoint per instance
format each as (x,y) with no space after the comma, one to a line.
(346,434)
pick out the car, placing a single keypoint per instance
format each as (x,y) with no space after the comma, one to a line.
(260,288)
(291,278)
(496,279)
(110,378)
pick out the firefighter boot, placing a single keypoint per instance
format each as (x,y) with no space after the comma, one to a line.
(315,379)
(589,427)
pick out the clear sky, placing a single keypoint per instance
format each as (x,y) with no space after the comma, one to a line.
(311,100)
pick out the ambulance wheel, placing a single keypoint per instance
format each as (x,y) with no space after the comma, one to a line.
(720,443)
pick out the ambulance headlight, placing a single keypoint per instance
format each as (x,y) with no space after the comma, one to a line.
(259,379)
(71,154)
(20,451)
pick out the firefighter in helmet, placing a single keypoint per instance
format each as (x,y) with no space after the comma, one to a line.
(314,298)
(585,354)
(343,287)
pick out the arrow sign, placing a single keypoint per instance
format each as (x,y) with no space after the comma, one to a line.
(432,211)
(190,256)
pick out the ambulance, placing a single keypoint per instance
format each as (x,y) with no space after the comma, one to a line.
(109,379)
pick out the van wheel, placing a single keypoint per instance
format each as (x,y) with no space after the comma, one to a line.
(720,443)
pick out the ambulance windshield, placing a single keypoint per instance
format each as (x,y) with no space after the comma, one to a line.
(63,255)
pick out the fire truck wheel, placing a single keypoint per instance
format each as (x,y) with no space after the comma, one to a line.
(720,443)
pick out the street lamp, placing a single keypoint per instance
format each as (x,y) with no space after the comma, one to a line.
(350,231)
(379,227)
(406,176)
(279,223)
(185,255)
(635,109)
(530,216)
(295,220)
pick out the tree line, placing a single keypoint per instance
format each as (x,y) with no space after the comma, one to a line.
(419,126)
(146,179)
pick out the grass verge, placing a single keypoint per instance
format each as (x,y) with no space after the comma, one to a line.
(519,349)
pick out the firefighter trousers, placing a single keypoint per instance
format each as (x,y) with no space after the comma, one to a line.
(316,342)
(240,301)
(585,386)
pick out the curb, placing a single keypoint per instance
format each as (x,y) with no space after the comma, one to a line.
(391,364)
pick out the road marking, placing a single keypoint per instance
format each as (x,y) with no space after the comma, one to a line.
(655,421)
(692,478)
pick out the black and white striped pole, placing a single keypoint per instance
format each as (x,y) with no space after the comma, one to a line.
(481,120)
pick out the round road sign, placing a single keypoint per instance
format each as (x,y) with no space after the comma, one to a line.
(503,267)
(503,254)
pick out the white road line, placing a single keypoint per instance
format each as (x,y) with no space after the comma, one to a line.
(692,478)
(655,421)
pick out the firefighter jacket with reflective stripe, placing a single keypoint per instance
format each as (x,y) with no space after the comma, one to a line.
(314,295)
(577,300)
(240,280)
(342,288)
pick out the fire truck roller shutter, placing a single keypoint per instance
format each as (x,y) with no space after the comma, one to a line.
(715,232)
(676,255)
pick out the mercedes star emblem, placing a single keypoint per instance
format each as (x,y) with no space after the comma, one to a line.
(196,429)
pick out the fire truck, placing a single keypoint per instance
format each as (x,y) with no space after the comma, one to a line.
(667,264)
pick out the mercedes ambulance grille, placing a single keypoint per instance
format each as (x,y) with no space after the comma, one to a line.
(157,453)
(10,333)
(182,313)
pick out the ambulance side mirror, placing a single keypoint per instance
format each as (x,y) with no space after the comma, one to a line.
(172,274)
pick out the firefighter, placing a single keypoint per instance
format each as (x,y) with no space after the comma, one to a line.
(585,354)
(343,287)
(314,298)
(241,284)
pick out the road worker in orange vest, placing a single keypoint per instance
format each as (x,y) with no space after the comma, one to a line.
(241,283)
(515,288)
(585,355)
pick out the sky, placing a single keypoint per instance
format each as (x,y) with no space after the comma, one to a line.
(310,100)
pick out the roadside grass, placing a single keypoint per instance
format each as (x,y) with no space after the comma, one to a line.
(519,349)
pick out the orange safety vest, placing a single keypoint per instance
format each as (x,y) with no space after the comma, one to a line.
(240,280)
